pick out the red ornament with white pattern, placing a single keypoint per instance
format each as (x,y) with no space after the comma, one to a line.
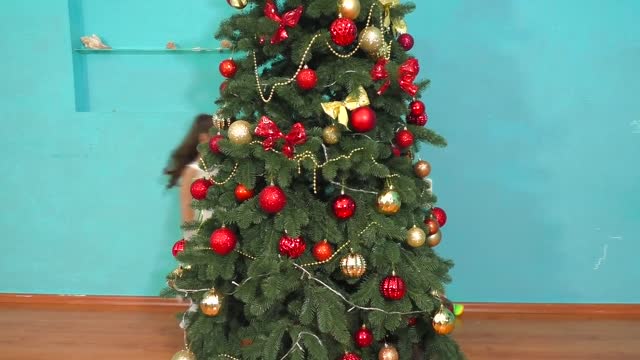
(404,138)
(363,337)
(343,31)
(393,287)
(307,79)
(272,199)
(292,247)
(178,247)
(200,187)
(223,241)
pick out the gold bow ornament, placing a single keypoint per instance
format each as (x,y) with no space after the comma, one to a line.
(398,25)
(338,109)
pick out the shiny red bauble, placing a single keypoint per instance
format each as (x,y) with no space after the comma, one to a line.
(393,287)
(228,68)
(440,215)
(363,337)
(404,138)
(292,247)
(350,356)
(178,247)
(272,199)
(223,241)
(406,41)
(395,150)
(243,193)
(344,207)
(417,107)
(420,120)
(213,144)
(343,31)
(362,119)
(307,79)
(412,321)
(200,187)
(322,251)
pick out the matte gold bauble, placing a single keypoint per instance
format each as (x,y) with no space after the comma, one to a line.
(331,135)
(349,8)
(211,303)
(240,132)
(388,352)
(371,39)
(416,237)
(388,201)
(422,169)
(184,355)
(444,321)
(353,265)
(238,4)
(434,240)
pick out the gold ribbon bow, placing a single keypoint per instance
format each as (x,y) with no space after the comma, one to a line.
(398,25)
(338,109)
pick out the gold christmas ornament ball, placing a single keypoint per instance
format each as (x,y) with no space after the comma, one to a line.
(371,39)
(416,237)
(388,201)
(211,303)
(422,169)
(434,240)
(353,265)
(184,355)
(238,4)
(331,135)
(444,321)
(388,352)
(349,8)
(240,132)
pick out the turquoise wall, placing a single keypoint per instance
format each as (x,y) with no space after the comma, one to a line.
(537,99)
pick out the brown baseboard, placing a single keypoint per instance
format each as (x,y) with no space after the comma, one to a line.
(471,309)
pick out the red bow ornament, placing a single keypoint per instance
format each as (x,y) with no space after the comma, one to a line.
(379,72)
(407,74)
(271,133)
(289,19)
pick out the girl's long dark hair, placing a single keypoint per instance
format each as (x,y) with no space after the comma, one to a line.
(187,151)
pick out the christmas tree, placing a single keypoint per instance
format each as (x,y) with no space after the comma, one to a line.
(321,243)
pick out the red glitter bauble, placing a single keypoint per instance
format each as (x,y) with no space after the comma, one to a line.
(420,120)
(292,247)
(272,199)
(344,207)
(228,68)
(350,356)
(343,31)
(417,108)
(200,187)
(243,193)
(363,119)
(307,79)
(393,288)
(213,144)
(404,138)
(412,321)
(322,251)
(406,41)
(223,241)
(178,247)
(363,337)
(440,215)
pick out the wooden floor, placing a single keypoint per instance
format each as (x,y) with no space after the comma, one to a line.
(131,333)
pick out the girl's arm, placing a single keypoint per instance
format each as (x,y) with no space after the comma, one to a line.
(188,175)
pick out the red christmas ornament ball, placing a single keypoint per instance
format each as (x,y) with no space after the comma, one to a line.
(406,41)
(213,144)
(432,225)
(223,241)
(393,287)
(262,40)
(307,79)
(344,207)
(404,138)
(223,87)
(363,119)
(200,187)
(272,199)
(440,215)
(228,68)
(178,247)
(243,193)
(292,247)
(350,356)
(363,337)
(417,107)
(420,120)
(395,150)
(322,251)
(412,321)
(343,31)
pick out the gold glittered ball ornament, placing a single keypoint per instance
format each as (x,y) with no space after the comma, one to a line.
(349,8)
(240,132)
(184,355)
(388,201)
(388,352)
(353,265)
(444,321)
(416,237)
(238,4)
(371,39)
(211,303)
(434,240)
(331,135)
(422,169)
